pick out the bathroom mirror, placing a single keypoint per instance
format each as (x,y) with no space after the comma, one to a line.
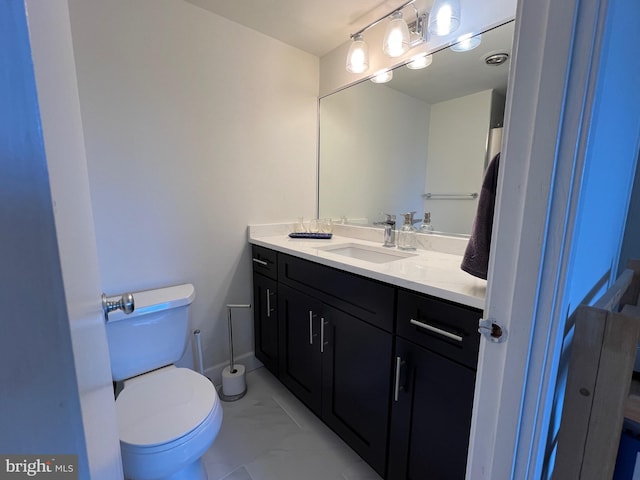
(420,142)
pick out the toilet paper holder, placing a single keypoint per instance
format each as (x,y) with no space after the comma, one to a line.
(234,385)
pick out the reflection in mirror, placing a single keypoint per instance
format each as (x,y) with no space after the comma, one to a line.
(418,143)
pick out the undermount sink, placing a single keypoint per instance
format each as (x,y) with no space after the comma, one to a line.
(367,253)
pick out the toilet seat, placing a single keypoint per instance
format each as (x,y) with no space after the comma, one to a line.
(162,406)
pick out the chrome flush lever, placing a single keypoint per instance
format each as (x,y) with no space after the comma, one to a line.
(124,303)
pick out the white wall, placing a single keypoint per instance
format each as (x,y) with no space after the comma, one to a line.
(194,127)
(458,133)
(355,143)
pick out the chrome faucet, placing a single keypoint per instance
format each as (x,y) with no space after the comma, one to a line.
(389,225)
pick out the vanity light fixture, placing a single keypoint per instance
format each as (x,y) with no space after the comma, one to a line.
(420,61)
(467,42)
(383,76)
(398,39)
(444,17)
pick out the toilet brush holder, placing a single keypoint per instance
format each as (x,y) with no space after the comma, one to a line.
(234,384)
(198,347)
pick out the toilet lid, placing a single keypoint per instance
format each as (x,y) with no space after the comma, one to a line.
(163,407)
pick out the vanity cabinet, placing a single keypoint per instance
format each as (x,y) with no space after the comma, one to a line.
(389,370)
(265,303)
(436,352)
(335,351)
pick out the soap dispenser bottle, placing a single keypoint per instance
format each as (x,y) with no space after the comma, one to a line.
(407,234)
(425,226)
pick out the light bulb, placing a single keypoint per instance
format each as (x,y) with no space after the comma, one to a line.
(396,38)
(358,56)
(444,17)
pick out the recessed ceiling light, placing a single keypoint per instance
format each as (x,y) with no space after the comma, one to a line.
(496,59)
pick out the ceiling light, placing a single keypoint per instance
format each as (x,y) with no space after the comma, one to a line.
(496,59)
(467,42)
(444,17)
(396,38)
(383,76)
(358,56)
(420,61)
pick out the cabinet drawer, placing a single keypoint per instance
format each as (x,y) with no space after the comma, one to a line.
(366,299)
(446,328)
(265,261)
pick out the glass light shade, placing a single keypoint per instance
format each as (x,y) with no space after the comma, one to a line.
(383,76)
(466,43)
(420,61)
(444,17)
(358,56)
(396,37)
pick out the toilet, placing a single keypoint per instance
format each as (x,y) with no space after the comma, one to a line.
(168,416)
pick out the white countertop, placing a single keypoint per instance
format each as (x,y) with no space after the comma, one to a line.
(431,272)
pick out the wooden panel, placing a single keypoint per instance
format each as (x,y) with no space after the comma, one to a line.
(600,371)
(581,383)
(632,295)
(614,376)
(610,300)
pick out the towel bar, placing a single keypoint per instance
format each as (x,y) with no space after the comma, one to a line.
(451,196)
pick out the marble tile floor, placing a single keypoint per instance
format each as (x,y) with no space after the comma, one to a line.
(270,435)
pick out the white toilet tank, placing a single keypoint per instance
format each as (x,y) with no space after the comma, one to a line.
(155,334)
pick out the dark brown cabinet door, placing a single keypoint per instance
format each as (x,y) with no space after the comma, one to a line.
(265,321)
(299,317)
(431,418)
(356,371)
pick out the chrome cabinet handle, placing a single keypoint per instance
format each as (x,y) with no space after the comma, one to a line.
(268,303)
(397,387)
(260,262)
(310,327)
(437,330)
(322,324)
